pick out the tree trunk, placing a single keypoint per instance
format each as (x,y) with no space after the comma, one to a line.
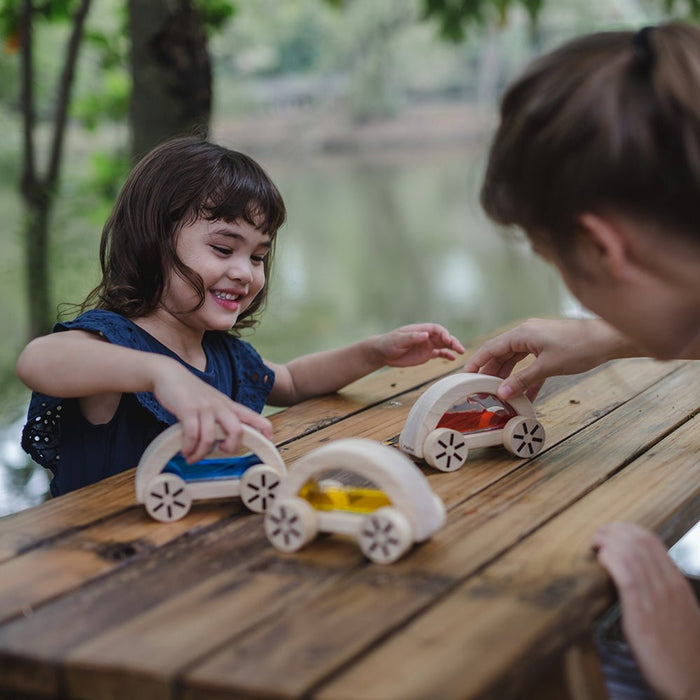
(39,191)
(171,73)
(36,233)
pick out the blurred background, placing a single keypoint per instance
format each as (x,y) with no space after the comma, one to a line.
(372,116)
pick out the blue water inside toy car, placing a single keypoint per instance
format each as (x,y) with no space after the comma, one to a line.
(211,468)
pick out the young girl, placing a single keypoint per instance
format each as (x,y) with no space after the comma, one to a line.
(185,256)
(597,158)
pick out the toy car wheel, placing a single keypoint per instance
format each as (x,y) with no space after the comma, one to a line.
(385,535)
(259,487)
(290,523)
(445,449)
(523,437)
(167,498)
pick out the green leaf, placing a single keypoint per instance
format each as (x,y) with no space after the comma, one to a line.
(214,13)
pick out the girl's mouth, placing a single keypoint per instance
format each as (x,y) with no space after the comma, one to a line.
(227,300)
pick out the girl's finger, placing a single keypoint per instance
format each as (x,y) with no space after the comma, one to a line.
(207,435)
(233,432)
(190,435)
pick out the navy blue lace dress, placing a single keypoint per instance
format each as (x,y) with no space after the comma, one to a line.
(58,437)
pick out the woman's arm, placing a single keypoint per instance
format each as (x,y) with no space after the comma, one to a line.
(326,372)
(78,364)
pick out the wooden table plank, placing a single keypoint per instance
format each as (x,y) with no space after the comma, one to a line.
(92,551)
(225,575)
(484,639)
(477,531)
(99,651)
(31,579)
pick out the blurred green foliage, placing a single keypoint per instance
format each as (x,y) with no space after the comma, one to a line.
(215,13)
(683,9)
(455,17)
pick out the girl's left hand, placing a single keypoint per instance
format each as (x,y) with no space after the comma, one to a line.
(417,343)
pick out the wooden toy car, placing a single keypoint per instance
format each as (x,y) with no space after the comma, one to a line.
(167,485)
(388,508)
(462,411)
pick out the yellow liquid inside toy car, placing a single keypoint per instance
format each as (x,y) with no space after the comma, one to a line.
(351,499)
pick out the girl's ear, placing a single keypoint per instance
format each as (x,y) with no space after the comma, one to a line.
(602,245)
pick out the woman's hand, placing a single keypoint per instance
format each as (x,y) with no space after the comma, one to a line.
(559,346)
(200,408)
(415,344)
(660,614)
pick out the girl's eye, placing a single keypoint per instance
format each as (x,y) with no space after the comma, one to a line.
(222,249)
(257,258)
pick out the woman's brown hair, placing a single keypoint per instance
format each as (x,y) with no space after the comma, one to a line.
(173,185)
(607,121)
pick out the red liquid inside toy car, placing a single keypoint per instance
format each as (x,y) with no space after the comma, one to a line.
(478,412)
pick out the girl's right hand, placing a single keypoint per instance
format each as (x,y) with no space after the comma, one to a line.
(563,346)
(199,408)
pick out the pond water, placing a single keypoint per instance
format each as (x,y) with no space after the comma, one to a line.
(370,244)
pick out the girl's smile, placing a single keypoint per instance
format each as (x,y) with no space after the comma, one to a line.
(228,300)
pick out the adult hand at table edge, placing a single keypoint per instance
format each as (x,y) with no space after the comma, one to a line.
(560,346)
(660,614)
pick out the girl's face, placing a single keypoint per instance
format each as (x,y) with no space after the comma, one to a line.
(229,259)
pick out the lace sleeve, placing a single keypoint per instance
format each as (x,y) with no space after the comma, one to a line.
(42,431)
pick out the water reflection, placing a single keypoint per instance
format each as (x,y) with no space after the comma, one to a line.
(370,244)
(22,483)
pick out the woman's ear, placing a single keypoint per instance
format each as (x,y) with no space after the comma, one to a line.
(602,245)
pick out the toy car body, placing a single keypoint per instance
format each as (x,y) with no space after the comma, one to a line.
(167,485)
(462,411)
(396,509)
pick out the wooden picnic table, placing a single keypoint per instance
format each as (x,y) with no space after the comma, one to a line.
(97,600)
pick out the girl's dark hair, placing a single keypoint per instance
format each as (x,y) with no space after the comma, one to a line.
(173,185)
(609,121)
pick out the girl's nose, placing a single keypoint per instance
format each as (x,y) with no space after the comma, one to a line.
(241,269)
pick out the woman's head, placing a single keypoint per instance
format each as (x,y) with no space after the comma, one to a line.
(176,184)
(607,122)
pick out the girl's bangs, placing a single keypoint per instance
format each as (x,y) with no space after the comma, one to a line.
(257,203)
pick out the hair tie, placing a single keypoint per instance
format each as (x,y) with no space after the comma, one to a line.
(644,56)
